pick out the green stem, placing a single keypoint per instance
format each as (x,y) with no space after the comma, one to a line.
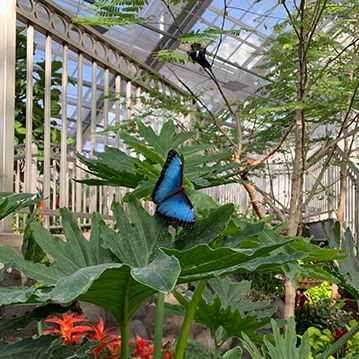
(124,322)
(216,351)
(187,322)
(39,328)
(124,339)
(160,311)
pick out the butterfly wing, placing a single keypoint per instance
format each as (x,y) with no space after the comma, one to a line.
(178,209)
(185,47)
(170,180)
(205,43)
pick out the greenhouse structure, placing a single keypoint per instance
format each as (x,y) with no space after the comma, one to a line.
(179,179)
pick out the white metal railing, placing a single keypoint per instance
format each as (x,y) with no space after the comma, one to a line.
(100,69)
(92,71)
(276,181)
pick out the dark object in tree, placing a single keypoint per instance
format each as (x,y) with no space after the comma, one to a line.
(197,52)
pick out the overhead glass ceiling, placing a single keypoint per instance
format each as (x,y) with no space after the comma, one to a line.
(236,63)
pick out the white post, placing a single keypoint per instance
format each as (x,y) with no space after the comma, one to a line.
(29,180)
(47,130)
(7,98)
(79,144)
(64,187)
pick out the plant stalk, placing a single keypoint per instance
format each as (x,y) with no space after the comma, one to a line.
(160,311)
(40,328)
(187,322)
(124,339)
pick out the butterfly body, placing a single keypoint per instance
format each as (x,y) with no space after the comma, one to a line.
(172,203)
(197,52)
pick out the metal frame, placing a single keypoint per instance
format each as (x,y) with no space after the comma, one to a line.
(7,98)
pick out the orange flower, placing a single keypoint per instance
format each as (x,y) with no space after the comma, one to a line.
(168,355)
(142,349)
(114,346)
(70,332)
(111,342)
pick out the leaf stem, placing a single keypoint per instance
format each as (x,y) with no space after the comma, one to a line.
(124,339)
(160,310)
(187,322)
(40,329)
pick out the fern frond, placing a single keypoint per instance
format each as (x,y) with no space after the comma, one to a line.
(171,56)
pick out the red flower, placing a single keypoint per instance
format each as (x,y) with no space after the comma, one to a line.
(168,355)
(339,333)
(114,346)
(70,332)
(142,350)
(111,342)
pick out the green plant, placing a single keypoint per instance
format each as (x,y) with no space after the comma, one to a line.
(281,347)
(321,340)
(323,314)
(120,269)
(318,293)
(195,350)
(38,95)
(225,312)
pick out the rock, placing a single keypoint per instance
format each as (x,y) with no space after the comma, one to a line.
(204,337)
(149,320)
(196,329)
(137,327)
(279,314)
(226,345)
(92,312)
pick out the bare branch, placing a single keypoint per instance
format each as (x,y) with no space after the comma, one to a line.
(291,18)
(172,15)
(233,113)
(211,114)
(269,200)
(275,148)
(222,27)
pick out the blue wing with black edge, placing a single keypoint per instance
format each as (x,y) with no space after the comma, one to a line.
(170,181)
(172,203)
(178,209)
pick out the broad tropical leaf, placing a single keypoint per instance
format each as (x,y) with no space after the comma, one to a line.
(39,313)
(11,202)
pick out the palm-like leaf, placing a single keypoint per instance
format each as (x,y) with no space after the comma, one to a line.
(114,167)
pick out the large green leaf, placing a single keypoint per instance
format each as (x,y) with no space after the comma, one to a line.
(76,252)
(201,167)
(37,314)
(135,243)
(279,347)
(113,166)
(11,295)
(225,312)
(11,202)
(208,229)
(27,348)
(87,270)
(201,261)
(44,347)
(234,353)
(37,271)
(348,269)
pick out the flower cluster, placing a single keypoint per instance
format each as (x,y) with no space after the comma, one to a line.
(75,330)
(144,350)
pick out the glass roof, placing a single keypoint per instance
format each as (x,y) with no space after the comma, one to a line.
(235,65)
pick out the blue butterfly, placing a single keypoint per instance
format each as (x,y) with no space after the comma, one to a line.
(168,194)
